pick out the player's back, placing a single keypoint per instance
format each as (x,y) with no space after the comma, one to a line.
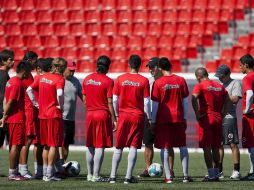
(97,88)
(26,83)
(131,89)
(248,84)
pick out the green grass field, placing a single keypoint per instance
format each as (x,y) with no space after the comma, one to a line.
(197,171)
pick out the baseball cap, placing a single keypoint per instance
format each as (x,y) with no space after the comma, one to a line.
(71,65)
(222,71)
(153,62)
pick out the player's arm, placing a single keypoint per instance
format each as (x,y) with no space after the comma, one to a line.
(60,98)
(249,101)
(236,93)
(195,105)
(7,109)
(31,96)
(116,104)
(112,112)
(2,120)
(226,106)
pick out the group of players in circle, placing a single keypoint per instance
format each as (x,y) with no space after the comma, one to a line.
(40,110)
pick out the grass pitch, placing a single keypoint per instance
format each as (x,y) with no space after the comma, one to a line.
(196,169)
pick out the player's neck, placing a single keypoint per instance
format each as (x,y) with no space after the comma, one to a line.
(134,71)
(166,73)
(249,70)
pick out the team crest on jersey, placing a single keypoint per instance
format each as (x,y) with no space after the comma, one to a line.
(170,86)
(130,83)
(44,80)
(211,88)
(93,82)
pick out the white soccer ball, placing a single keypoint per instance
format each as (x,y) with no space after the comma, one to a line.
(73,168)
(155,170)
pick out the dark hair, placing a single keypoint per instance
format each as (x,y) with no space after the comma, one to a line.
(30,55)
(248,60)
(103,63)
(23,66)
(44,64)
(135,61)
(6,54)
(164,64)
(201,72)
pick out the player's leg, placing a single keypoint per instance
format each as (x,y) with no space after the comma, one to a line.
(221,152)
(184,156)
(38,161)
(236,161)
(51,161)
(251,156)
(90,162)
(13,160)
(164,154)
(98,159)
(132,158)
(208,156)
(45,153)
(23,167)
(117,156)
(171,159)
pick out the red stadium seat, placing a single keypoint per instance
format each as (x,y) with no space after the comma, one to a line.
(15,42)
(69,53)
(149,53)
(169,29)
(135,51)
(139,5)
(86,54)
(118,66)
(51,42)
(239,52)
(119,54)
(200,5)
(77,29)
(154,29)
(3,43)
(226,15)
(29,29)
(195,40)
(139,29)
(251,52)
(60,16)
(59,4)
(93,17)
(165,42)
(27,17)
(235,68)
(26,4)
(214,4)
(86,66)
(51,52)
(33,42)
(223,27)
(135,42)
(228,4)
(2,30)
(181,41)
(10,17)
(207,40)
(154,5)
(123,4)
(93,29)
(86,42)
(179,53)
(211,66)
(150,42)
(43,17)
(61,29)
(139,16)
(75,5)
(124,29)
(170,4)
(199,16)
(183,28)
(213,16)
(197,29)
(241,4)
(9,4)
(226,54)
(211,28)
(1,17)
(68,41)
(42,5)
(176,66)
(109,29)
(76,16)
(185,16)
(170,16)
(164,52)
(91,5)
(185,4)
(124,16)
(108,4)
(119,42)
(102,42)
(102,51)
(244,41)
(19,54)
(155,16)
(108,16)
(12,29)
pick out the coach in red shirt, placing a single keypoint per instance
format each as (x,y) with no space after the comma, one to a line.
(209,101)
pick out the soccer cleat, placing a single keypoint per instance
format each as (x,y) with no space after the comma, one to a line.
(172,173)
(53,178)
(38,176)
(112,180)
(170,180)
(220,175)
(144,174)
(89,177)
(131,180)
(235,175)
(187,179)
(99,179)
(16,178)
(208,179)
(248,177)
(28,176)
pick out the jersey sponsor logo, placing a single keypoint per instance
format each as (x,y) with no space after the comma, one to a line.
(212,88)
(93,82)
(130,83)
(44,80)
(170,86)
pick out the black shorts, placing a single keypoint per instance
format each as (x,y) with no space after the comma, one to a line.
(230,131)
(148,138)
(69,132)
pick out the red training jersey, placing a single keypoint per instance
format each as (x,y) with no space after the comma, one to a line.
(170,91)
(48,104)
(97,88)
(14,90)
(131,89)
(212,96)
(26,83)
(248,84)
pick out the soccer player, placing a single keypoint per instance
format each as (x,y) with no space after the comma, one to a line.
(170,103)
(72,90)
(209,101)
(14,117)
(51,97)
(229,122)
(97,91)
(131,102)
(247,67)
(30,118)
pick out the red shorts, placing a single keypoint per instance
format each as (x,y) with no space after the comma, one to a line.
(31,123)
(52,132)
(36,140)
(248,131)
(210,132)
(130,131)
(16,132)
(170,135)
(99,133)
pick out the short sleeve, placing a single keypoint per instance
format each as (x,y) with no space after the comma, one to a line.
(110,89)
(247,84)
(146,89)
(60,83)
(15,92)
(116,89)
(185,89)
(35,84)
(197,89)
(237,89)
(156,92)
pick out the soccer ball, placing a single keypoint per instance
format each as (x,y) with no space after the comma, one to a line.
(155,170)
(73,168)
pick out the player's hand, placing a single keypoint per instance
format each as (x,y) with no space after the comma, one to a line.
(114,126)
(2,123)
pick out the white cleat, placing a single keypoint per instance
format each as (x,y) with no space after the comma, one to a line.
(235,175)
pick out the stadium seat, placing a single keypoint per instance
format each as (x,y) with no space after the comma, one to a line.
(165,42)
(118,66)
(102,51)
(75,5)
(68,41)
(124,16)
(59,4)
(207,40)
(150,42)
(176,66)
(87,66)
(239,14)
(26,4)
(181,41)
(51,42)
(149,53)
(123,4)
(119,54)
(10,17)
(108,16)
(155,16)
(15,42)
(9,4)
(251,51)
(223,27)
(164,52)
(226,15)
(139,5)
(170,4)
(12,29)
(1,17)
(211,28)
(214,4)
(77,29)
(69,53)
(154,29)
(119,42)
(42,5)
(169,16)
(109,29)
(51,52)
(93,29)
(199,15)
(235,68)
(91,5)
(29,29)
(241,4)
(185,4)
(135,42)
(211,66)
(212,15)
(226,54)
(239,52)
(244,41)
(3,43)
(93,17)
(197,29)
(179,53)
(33,42)
(76,16)
(60,16)
(200,5)
(86,53)
(139,29)
(27,17)
(169,29)
(61,29)
(108,4)
(139,16)
(195,40)
(154,5)
(184,28)
(228,4)
(43,16)
(19,54)
(86,42)
(102,42)
(2,30)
